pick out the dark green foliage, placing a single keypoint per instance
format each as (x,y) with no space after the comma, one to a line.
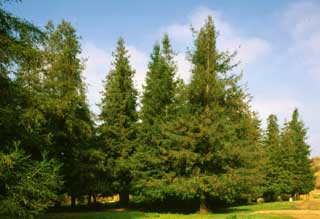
(296,156)
(159,105)
(66,110)
(160,85)
(213,148)
(28,183)
(289,166)
(195,143)
(18,40)
(27,187)
(118,116)
(278,176)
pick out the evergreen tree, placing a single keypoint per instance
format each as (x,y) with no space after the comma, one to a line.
(213,150)
(27,186)
(159,90)
(157,108)
(119,117)
(278,177)
(19,42)
(66,109)
(296,156)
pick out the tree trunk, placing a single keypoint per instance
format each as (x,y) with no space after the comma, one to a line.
(57,204)
(203,205)
(73,201)
(94,199)
(89,199)
(124,198)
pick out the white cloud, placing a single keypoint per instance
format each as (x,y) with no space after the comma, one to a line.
(302,22)
(280,106)
(139,62)
(283,107)
(184,67)
(96,69)
(250,49)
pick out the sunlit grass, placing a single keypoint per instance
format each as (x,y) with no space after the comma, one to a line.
(285,205)
(140,215)
(241,212)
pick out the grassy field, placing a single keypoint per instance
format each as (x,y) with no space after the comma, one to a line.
(266,206)
(141,215)
(240,212)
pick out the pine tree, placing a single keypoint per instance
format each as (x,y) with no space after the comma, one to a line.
(213,150)
(159,90)
(296,157)
(119,117)
(157,108)
(19,43)
(28,183)
(277,179)
(66,109)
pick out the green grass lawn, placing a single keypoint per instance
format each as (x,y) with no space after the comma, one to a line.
(242,212)
(141,215)
(266,206)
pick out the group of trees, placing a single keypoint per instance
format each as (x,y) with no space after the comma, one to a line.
(287,169)
(197,142)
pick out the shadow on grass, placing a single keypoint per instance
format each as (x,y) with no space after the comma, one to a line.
(95,215)
(230,210)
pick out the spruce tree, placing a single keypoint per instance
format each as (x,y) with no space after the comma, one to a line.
(297,156)
(66,109)
(277,176)
(157,108)
(159,90)
(119,117)
(19,43)
(213,150)
(28,183)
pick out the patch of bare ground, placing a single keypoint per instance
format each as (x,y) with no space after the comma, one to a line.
(298,214)
(308,204)
(307,209)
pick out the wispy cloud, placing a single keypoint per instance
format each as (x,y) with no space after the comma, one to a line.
(249,48)
(282,106)
(96,68)
(302,21)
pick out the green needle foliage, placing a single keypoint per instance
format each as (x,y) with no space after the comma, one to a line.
(157,108)
(159,91)
(191,144)
(67,112)
(28,184)
(288,168)
(119,117)
(27,187)
(213,149)
(296,156)
(277,177)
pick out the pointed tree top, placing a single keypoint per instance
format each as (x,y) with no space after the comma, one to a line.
(295,115)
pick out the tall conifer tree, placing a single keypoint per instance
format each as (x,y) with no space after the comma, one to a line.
(27,186)
(66,109)
(160,85)
(296,156)
(277,178)
(157,108)
(119,117)
(213,149)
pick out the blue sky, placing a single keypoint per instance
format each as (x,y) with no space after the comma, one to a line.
(278,44)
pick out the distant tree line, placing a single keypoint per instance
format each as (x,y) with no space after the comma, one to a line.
(197,142)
